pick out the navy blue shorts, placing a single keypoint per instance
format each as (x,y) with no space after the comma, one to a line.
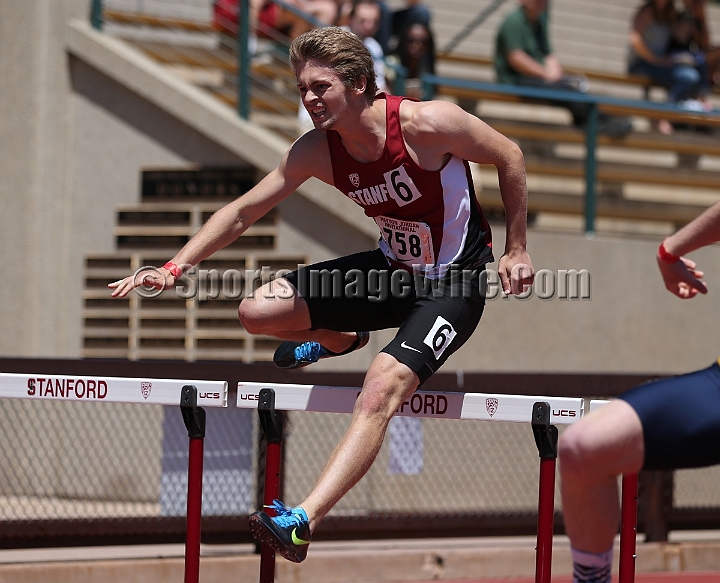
(680,418)
(361,292)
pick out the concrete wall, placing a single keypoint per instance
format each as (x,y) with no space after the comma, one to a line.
(34,133)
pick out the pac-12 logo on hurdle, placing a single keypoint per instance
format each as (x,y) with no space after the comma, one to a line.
(491,405)
(145,388)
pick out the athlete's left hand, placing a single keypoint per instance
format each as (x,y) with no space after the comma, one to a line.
(516,272)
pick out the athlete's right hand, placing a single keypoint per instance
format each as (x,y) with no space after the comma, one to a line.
(150,278)
(682,278)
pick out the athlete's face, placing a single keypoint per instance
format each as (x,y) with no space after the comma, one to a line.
(323,93)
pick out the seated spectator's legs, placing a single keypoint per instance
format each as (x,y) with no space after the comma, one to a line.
(681,81)
(615,127)
(687,83)
(578,111)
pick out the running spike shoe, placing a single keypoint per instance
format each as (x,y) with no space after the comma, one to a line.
(291,354)
(288,532)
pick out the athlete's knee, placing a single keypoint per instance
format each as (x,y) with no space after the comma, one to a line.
(253,316)
(386,386)
(577,451)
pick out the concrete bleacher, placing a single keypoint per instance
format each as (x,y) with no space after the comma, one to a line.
(198,325)
(588,36)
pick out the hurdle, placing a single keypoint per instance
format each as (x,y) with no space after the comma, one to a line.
(541,412)
(190,395)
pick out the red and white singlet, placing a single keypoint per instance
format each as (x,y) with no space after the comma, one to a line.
(428,220)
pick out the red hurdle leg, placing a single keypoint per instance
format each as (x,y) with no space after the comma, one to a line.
(272,424)
(546,520)
(194,418)
(546,437)
(628,528)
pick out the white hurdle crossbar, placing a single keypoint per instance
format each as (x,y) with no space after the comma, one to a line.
(190,395)
(109,389)
(435,404)
(540,411)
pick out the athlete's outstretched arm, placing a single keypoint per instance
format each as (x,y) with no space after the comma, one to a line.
(232,220)
(682,277)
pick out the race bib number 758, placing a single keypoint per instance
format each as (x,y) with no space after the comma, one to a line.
(410,241)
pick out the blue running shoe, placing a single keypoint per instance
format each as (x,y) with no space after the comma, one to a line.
(288,532)
(291,354)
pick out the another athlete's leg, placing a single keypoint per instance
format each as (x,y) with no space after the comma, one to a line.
(387,385)
(592,454)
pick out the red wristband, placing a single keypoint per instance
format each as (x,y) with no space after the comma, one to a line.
(665,255)
(174,269)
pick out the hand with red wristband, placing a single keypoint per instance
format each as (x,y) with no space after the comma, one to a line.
(680,274)
(150,279)
(174,269)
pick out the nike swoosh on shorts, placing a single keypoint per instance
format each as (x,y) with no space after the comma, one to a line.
(403,345)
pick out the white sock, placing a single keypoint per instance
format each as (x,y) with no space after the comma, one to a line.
(591,567)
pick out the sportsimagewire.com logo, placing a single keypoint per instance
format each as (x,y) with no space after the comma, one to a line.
(377,285)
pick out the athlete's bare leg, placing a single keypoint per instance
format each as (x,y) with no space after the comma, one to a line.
(387,385)
(276,309)
(592,454)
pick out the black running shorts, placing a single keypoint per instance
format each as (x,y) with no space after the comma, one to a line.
(361,292)
(680,418)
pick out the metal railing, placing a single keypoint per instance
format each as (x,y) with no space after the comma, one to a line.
(245,53)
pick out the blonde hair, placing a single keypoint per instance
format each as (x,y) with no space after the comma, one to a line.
(341,50)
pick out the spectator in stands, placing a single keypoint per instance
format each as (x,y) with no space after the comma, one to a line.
(268,17)
(524,56)
(226,15)
(667,424)
(364,22)
(343,12)
(654,25)
(416,54)
(684,49)
(393,22)
(280,16)
(696,16)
